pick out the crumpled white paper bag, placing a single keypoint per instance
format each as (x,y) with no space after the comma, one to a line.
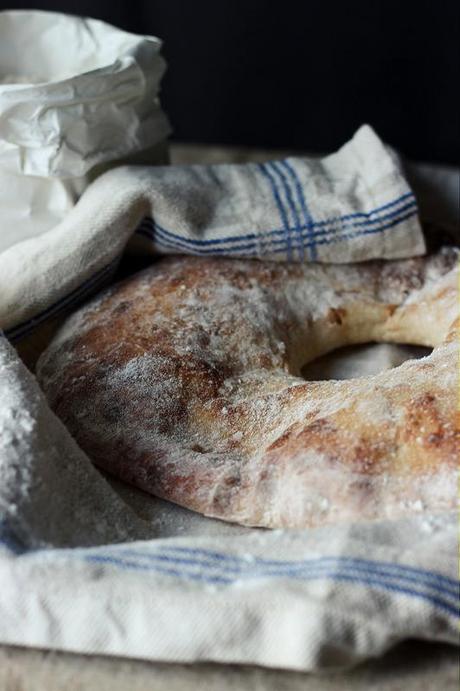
(75,93)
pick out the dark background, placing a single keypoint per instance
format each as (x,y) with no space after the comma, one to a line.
(302,75)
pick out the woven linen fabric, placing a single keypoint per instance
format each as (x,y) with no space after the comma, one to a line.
(350,206)
(101,568)
(90,565)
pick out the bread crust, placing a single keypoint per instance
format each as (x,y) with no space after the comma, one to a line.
(184,380)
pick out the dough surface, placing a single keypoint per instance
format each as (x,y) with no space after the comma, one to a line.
(184,380)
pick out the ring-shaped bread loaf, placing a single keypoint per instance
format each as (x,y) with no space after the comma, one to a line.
(184,380)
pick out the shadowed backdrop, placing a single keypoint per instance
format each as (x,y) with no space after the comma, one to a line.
(301,75)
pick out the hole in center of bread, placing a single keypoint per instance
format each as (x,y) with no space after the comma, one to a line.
(350,362)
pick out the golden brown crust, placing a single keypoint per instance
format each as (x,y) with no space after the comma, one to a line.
(185,381)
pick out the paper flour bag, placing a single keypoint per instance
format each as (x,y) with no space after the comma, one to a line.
(76,96)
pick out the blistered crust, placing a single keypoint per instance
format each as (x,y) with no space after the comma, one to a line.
(185,381)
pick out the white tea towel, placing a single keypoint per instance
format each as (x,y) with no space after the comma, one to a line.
(101,568)
(306,601)
(350,206)
(91,565)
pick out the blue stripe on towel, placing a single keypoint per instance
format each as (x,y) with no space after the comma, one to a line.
(69,300)
(159,237)
(272,181)
(276,167)
(308,220)
(208,566)
(266,568)
(245,245)
(368,231)
(333,572)
(346,222)
(211,554)
(225,561)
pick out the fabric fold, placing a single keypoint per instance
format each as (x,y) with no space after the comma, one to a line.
(351,206)
(91,565)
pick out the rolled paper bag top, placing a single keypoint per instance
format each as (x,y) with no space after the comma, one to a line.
(75,94)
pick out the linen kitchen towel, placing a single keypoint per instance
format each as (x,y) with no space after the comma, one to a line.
(90,565)
(97,567)
(350,206)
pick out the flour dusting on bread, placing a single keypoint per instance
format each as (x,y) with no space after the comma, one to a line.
(185,381)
